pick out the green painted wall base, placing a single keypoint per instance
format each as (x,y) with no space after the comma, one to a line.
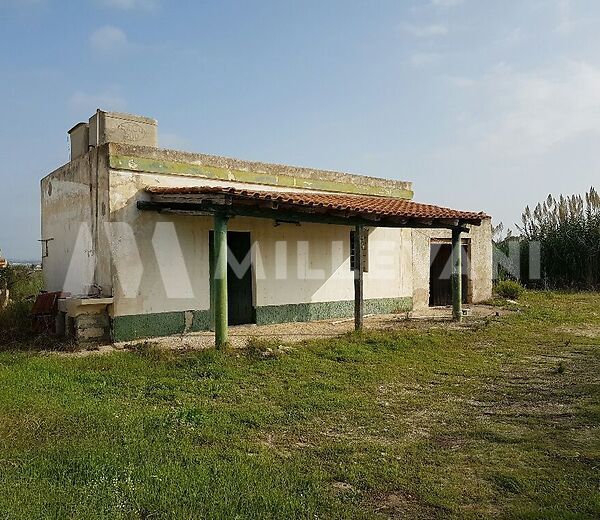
(139,326)
(328,310)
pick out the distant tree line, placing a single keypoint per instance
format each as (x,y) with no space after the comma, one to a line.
(562,237)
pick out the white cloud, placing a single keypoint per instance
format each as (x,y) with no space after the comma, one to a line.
(425,31)
(421,59)
(129,5)
(533,112)
(518,135)
(108,40)
(85,103)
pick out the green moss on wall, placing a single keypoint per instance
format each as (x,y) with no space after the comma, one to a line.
(142,164)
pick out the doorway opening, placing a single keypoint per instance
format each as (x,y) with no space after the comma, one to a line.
(240,309)
(440,270)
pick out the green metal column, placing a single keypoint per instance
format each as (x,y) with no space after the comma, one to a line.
(359,239)
(219,281)
(456,274)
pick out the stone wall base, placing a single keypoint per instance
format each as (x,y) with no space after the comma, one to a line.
(86,328)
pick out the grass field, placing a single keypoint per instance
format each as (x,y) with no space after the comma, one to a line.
(502,419)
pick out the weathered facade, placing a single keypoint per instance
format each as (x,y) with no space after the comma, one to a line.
(149,272)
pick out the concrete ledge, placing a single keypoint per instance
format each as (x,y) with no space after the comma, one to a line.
(77,306)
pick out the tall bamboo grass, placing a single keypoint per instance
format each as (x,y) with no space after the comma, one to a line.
(568,230)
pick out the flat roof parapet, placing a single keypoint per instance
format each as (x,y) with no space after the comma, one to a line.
(163,161)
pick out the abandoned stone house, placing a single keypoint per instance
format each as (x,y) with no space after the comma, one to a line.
(143,241)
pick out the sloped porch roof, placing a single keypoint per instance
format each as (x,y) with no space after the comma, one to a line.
(335,208)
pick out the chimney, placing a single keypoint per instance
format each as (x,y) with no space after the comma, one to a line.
(115,127)
(80,139)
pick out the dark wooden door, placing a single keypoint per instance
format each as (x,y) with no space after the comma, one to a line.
(239,277)
(440,285)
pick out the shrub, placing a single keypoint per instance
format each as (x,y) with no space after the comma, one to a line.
(509,289)
(18,333)
(152,351)
(263,348)
(23,282)
(15,322)
(568,232)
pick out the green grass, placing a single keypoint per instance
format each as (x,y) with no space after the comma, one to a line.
(500,420)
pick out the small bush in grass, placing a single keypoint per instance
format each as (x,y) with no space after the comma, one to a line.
(18,333)
(15,322)
(152,351)
(508,483)
(263,348)
(23,282)
(509,289)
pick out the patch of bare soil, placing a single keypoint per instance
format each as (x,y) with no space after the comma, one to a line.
(543,386)
(401,504)
(583,330)
(84,351)
(449,442)
(343,487)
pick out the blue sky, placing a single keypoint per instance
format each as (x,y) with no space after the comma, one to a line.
(484,105)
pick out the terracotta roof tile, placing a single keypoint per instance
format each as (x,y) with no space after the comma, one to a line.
(357,204)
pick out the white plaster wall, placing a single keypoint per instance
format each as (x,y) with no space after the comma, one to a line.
(103,274)
(68,219)
(311,262)
(160,262)
(481,261)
